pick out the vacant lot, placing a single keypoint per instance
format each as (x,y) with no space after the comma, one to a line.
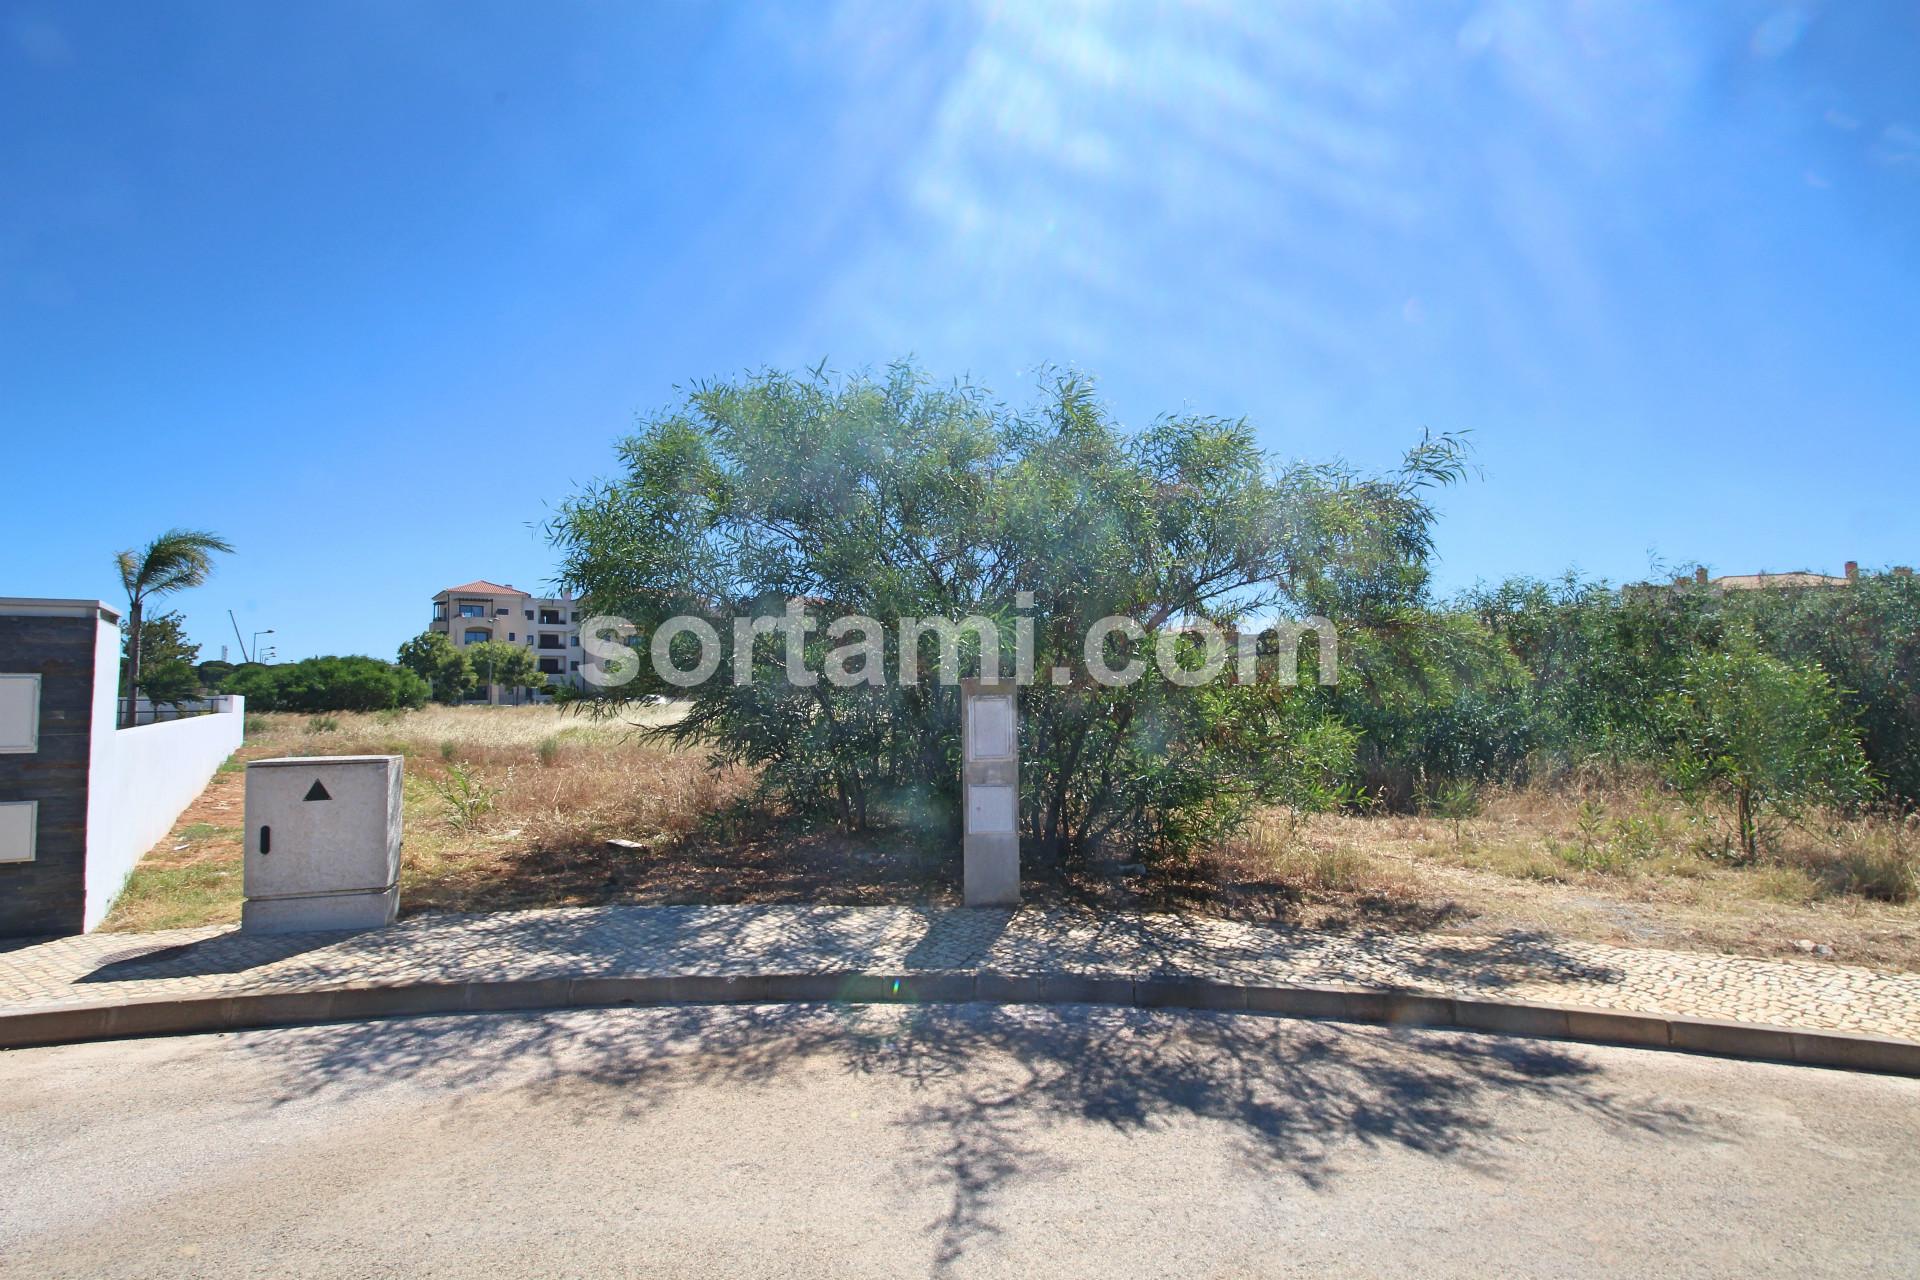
(514,807)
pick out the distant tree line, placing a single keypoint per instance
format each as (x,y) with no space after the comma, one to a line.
(351,683)
(1766,702)
(430,667)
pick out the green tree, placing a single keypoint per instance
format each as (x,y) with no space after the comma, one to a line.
(167,658)
(1761,738)
(162,639)
(437,660)
(169,683)
(174,561)
(351,683)
(508,665)
(893,498)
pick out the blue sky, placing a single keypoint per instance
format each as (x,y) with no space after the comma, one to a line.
(368,288)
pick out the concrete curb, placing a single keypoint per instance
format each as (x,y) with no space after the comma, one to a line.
(192,1015)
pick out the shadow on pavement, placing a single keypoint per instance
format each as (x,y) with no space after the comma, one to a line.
(230,952)
(731,940)
(1297,1097)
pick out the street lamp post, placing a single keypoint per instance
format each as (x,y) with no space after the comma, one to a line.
(256,642)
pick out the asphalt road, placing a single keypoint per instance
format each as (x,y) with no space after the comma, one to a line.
(815,1140)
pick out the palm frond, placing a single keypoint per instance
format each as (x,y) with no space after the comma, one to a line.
(174,561)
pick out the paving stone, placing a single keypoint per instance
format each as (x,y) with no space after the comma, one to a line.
(1026,954)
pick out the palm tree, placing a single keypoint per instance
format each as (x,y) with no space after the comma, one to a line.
(174,561)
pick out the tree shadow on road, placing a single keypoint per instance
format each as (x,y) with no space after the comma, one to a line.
(1298,1099)
(717,939)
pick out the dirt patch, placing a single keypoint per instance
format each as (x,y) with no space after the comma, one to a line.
(193,876)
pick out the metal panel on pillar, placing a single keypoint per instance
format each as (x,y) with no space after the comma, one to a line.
(990,792)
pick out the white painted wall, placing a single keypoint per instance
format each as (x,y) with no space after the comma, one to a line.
(140,780)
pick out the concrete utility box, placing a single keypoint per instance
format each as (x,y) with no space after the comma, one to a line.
(990,793)
(323,843)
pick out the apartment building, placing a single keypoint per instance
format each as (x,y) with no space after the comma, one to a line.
(549,626)
(1764,581)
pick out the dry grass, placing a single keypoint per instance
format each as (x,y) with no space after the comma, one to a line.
(513,807)
(560,787)
(1627,862)
(193,876)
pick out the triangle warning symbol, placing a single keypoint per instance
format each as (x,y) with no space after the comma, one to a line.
(316,792)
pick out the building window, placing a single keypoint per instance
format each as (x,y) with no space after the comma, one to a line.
(503,613)
(439,612)
(475,636)
(549,618)
(573,641)
(529,615)
(550,666)
(574,665)
(473,611)
(550,641)
(510,637)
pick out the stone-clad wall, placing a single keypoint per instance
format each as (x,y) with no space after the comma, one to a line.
(105,794)
(48,895)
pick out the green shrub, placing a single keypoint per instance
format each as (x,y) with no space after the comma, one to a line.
(328,684)
(467,797)
(1761,738)
(1866,636)
(1453,801)
(1596,664)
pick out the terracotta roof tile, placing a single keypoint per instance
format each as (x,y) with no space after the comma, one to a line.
(481,587)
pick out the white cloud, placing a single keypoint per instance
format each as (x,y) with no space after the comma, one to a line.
(1244,184)
(1898,147)
(1778,32)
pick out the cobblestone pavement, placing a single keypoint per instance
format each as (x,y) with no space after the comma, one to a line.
(722,940)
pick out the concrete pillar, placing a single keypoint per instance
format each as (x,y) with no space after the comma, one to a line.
(59,667)
(990,792)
